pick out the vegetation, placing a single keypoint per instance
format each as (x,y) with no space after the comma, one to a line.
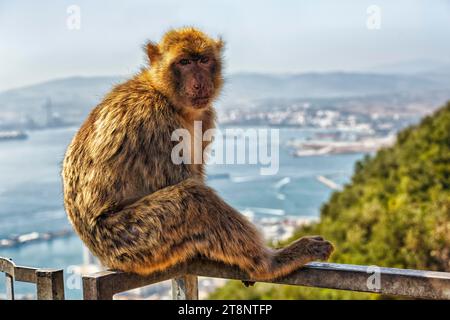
(395,212)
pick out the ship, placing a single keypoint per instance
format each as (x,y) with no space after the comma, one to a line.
(13,135)
(318,148)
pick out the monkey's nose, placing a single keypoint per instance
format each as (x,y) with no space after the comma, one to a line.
(196,86)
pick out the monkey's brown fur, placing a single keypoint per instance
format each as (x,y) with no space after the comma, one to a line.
(133,207)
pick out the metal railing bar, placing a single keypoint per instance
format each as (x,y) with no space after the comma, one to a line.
(400,282)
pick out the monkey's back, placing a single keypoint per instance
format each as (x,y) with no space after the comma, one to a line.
(121,153)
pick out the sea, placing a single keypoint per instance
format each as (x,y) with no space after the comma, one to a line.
(31,193)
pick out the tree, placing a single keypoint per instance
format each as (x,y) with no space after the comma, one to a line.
(395,212)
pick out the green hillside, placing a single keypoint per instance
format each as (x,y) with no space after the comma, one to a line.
(395,212)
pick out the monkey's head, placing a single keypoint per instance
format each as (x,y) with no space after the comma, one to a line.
(186,67)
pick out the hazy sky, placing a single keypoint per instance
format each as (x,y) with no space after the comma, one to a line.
(261,36)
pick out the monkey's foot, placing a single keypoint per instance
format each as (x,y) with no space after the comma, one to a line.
(288,259)
(305,250)
(318,247)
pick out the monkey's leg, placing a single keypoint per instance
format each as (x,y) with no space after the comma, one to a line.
(188,220)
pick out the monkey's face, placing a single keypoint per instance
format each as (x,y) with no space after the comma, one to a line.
(195,79)
(186,66)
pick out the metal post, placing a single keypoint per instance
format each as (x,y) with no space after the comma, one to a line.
(93,289)
(9,287)
(50,284)
(185,288)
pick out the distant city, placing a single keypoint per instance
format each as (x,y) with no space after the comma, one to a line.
(359,112)
(374,103)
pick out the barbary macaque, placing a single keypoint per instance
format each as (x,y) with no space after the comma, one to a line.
(132,206)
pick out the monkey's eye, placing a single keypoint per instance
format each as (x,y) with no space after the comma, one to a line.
(204,60)
(184,62)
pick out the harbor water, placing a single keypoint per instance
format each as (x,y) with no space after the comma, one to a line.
(31,194)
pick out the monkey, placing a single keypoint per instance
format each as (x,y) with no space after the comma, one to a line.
(132,206)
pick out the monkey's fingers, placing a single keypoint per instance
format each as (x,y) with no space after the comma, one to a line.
(248,283)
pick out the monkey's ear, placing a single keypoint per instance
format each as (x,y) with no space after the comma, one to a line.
(220,43)
(153,52)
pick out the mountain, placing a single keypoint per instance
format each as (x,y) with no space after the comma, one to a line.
(422,66)
(395,212)
(325,85)
(72,98)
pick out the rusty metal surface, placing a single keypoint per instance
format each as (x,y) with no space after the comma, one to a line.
(401,282)
(185,288)
(49,282)
(25,274)
(103,285)
(9,284)
(7,266)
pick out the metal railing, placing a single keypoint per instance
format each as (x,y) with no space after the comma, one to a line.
(49,282)
(105,284)
(397,282)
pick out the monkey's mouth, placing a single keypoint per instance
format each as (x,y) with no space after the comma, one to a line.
(200,101)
